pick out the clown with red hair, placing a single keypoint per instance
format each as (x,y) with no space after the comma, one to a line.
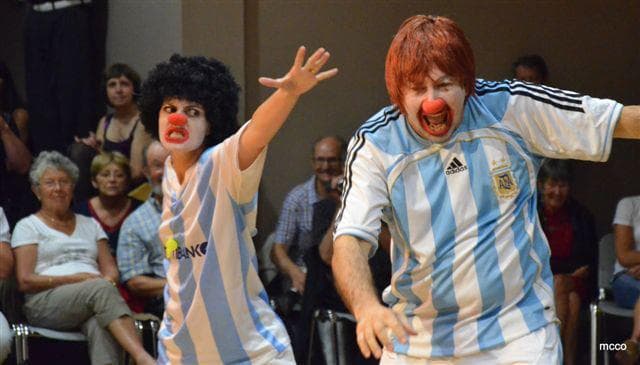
(451,167)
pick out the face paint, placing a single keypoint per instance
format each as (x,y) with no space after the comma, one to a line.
(182,125)
(434,107)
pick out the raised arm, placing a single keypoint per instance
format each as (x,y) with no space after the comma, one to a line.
(629,123)
(355,284)
(271,114)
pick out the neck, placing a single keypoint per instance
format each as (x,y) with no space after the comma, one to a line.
(158,198)
(56,214)
(321,189)
(113,202)
(182,161)
(126,113)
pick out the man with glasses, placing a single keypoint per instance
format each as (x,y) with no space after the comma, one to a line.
(293,233)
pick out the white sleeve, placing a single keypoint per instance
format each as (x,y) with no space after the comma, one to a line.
(364,195)
(562,124)
(5,235)
(25,233)
(624,212)
(242,184)
(97,232)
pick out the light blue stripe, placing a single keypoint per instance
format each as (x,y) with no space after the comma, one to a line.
(443,225)
(162,351)
(245,259)
(530,305)
(487,264)
(404,282)
(218,308)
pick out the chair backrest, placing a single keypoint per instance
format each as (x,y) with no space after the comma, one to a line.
(606,260)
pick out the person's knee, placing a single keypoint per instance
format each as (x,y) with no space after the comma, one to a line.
(563,284)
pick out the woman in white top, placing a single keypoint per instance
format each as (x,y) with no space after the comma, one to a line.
(6,270)
(626,276)
(64,267)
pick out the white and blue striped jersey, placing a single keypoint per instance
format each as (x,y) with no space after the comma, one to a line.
(217,311)
(470,260)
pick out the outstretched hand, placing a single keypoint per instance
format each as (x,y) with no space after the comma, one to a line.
(302,76)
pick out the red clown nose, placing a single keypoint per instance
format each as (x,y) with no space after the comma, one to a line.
(178,119)
(430,107)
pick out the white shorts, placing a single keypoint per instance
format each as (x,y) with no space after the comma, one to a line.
(541,347)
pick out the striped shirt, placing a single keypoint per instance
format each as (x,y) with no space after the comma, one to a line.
(139,250)
(469,258)
(217,311)
(296,218)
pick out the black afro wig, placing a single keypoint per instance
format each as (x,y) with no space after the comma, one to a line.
(207,82)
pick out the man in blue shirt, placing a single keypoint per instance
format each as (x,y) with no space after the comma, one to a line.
(140,253)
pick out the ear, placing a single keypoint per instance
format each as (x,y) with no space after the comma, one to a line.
(34,189)
(94,183)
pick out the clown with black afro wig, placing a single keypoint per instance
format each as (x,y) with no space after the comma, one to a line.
(214,294)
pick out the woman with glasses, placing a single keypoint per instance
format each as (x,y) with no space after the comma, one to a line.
(64,267)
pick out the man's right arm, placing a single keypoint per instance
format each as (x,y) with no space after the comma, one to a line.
(285,265)
(355,284)
(144,286)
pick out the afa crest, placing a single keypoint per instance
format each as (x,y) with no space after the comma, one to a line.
(505,185)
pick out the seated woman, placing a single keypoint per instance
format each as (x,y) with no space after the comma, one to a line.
(64,267)
(626,274)
(569,228)
(6,271)
(110,176)
(119,131)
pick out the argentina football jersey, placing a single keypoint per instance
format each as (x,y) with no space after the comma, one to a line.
(470,261)
(213,293)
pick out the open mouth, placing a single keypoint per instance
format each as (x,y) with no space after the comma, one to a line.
(176,135)
(435,117)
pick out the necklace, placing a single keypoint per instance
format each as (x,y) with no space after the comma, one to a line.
(56,221)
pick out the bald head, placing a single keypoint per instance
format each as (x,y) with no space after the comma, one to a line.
(154,156)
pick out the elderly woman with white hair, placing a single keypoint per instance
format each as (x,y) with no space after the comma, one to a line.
(64,267)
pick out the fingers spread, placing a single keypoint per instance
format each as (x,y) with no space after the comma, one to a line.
(299,56)
(327,74)
(269,82)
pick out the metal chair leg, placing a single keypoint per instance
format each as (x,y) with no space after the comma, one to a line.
(594,333)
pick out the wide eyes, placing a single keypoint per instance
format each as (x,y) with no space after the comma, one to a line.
(169,109)
(192,112)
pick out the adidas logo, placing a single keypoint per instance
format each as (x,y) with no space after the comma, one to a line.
(455,166)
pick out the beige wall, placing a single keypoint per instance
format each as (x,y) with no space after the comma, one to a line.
(591,47)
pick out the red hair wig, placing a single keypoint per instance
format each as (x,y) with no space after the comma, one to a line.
(421,43)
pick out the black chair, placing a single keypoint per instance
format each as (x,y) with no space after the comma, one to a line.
(603,307)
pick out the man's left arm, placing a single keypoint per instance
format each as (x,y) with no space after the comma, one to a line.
(628,125)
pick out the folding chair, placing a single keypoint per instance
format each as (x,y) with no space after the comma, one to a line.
(603,307)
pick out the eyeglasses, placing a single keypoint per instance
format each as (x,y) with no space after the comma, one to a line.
(50,184)
(328,160)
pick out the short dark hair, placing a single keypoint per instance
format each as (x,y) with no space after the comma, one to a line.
(559,170)
(535,62)
(341,143)
(117,70)
(205,81)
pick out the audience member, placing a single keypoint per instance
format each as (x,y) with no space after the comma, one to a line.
(64,267)
(6,271)
(61,54)
(15,158)
(570,231)
(626,276)
(321,292)
(531,68)
(119,131)
(110,176)
(11,105)
(140,253)
(293,233)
